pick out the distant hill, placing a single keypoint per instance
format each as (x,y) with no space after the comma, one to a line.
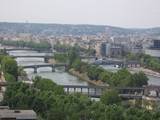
(67,29)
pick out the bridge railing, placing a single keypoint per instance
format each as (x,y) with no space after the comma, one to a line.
(97,91)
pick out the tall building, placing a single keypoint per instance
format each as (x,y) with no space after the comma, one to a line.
(156,44)
(98,49)
(154,49)
(103,49)
(111,50)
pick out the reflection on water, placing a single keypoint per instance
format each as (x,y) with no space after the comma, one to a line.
(61,78)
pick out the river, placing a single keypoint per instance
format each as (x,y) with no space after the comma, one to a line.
(60,76)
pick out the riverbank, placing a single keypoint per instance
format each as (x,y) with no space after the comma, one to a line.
(84,77)
(146,71)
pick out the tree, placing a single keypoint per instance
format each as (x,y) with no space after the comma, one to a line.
(110,97)
(9,77)
(77,64)
(138,80)
(61,57)
(94,72)
(105,76)
(121,78)
(9,65)
(72,55)
(114,112)
(47,85)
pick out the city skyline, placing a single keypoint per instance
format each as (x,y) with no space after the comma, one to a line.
(122,13)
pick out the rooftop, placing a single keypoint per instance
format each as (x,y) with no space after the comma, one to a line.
(18,114)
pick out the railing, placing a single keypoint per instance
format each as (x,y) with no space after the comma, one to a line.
(97,91)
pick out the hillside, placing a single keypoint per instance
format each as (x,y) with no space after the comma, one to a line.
(66,29)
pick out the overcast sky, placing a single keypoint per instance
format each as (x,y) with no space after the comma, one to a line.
(123,13)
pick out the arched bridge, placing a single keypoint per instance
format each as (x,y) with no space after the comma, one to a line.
(21,48)
(46,56)
(15,49)
(53,66)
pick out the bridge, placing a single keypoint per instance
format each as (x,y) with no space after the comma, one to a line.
(37,55)
(97,91)
(120,63)
(36,66)
(14,49)
(20,48)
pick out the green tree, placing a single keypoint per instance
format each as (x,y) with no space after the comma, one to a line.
(138,80)
(9,77)
(9,65)
(110,97)
(114,112)
(120,78)
(73,54)
(61,57)
(77,64)
(105,76)
(47,85)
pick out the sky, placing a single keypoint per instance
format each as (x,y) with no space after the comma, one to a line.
(122,13)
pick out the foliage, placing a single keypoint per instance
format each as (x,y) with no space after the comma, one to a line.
(76,64)
(43,45)
(105,76)
(47,85)
(94,72)
(61,57)
(110,97)
(9,77)
(51,103)
(9,65)
(146,60)
(138,80)
(121,78)
(73,54)
(21,71)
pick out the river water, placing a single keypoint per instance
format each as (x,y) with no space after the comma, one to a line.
(60,76)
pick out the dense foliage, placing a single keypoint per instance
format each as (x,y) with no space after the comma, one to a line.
(110,97)
(9,67)
(146,60)
(30,44)
(121,78)
(51,103)
(61,57)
